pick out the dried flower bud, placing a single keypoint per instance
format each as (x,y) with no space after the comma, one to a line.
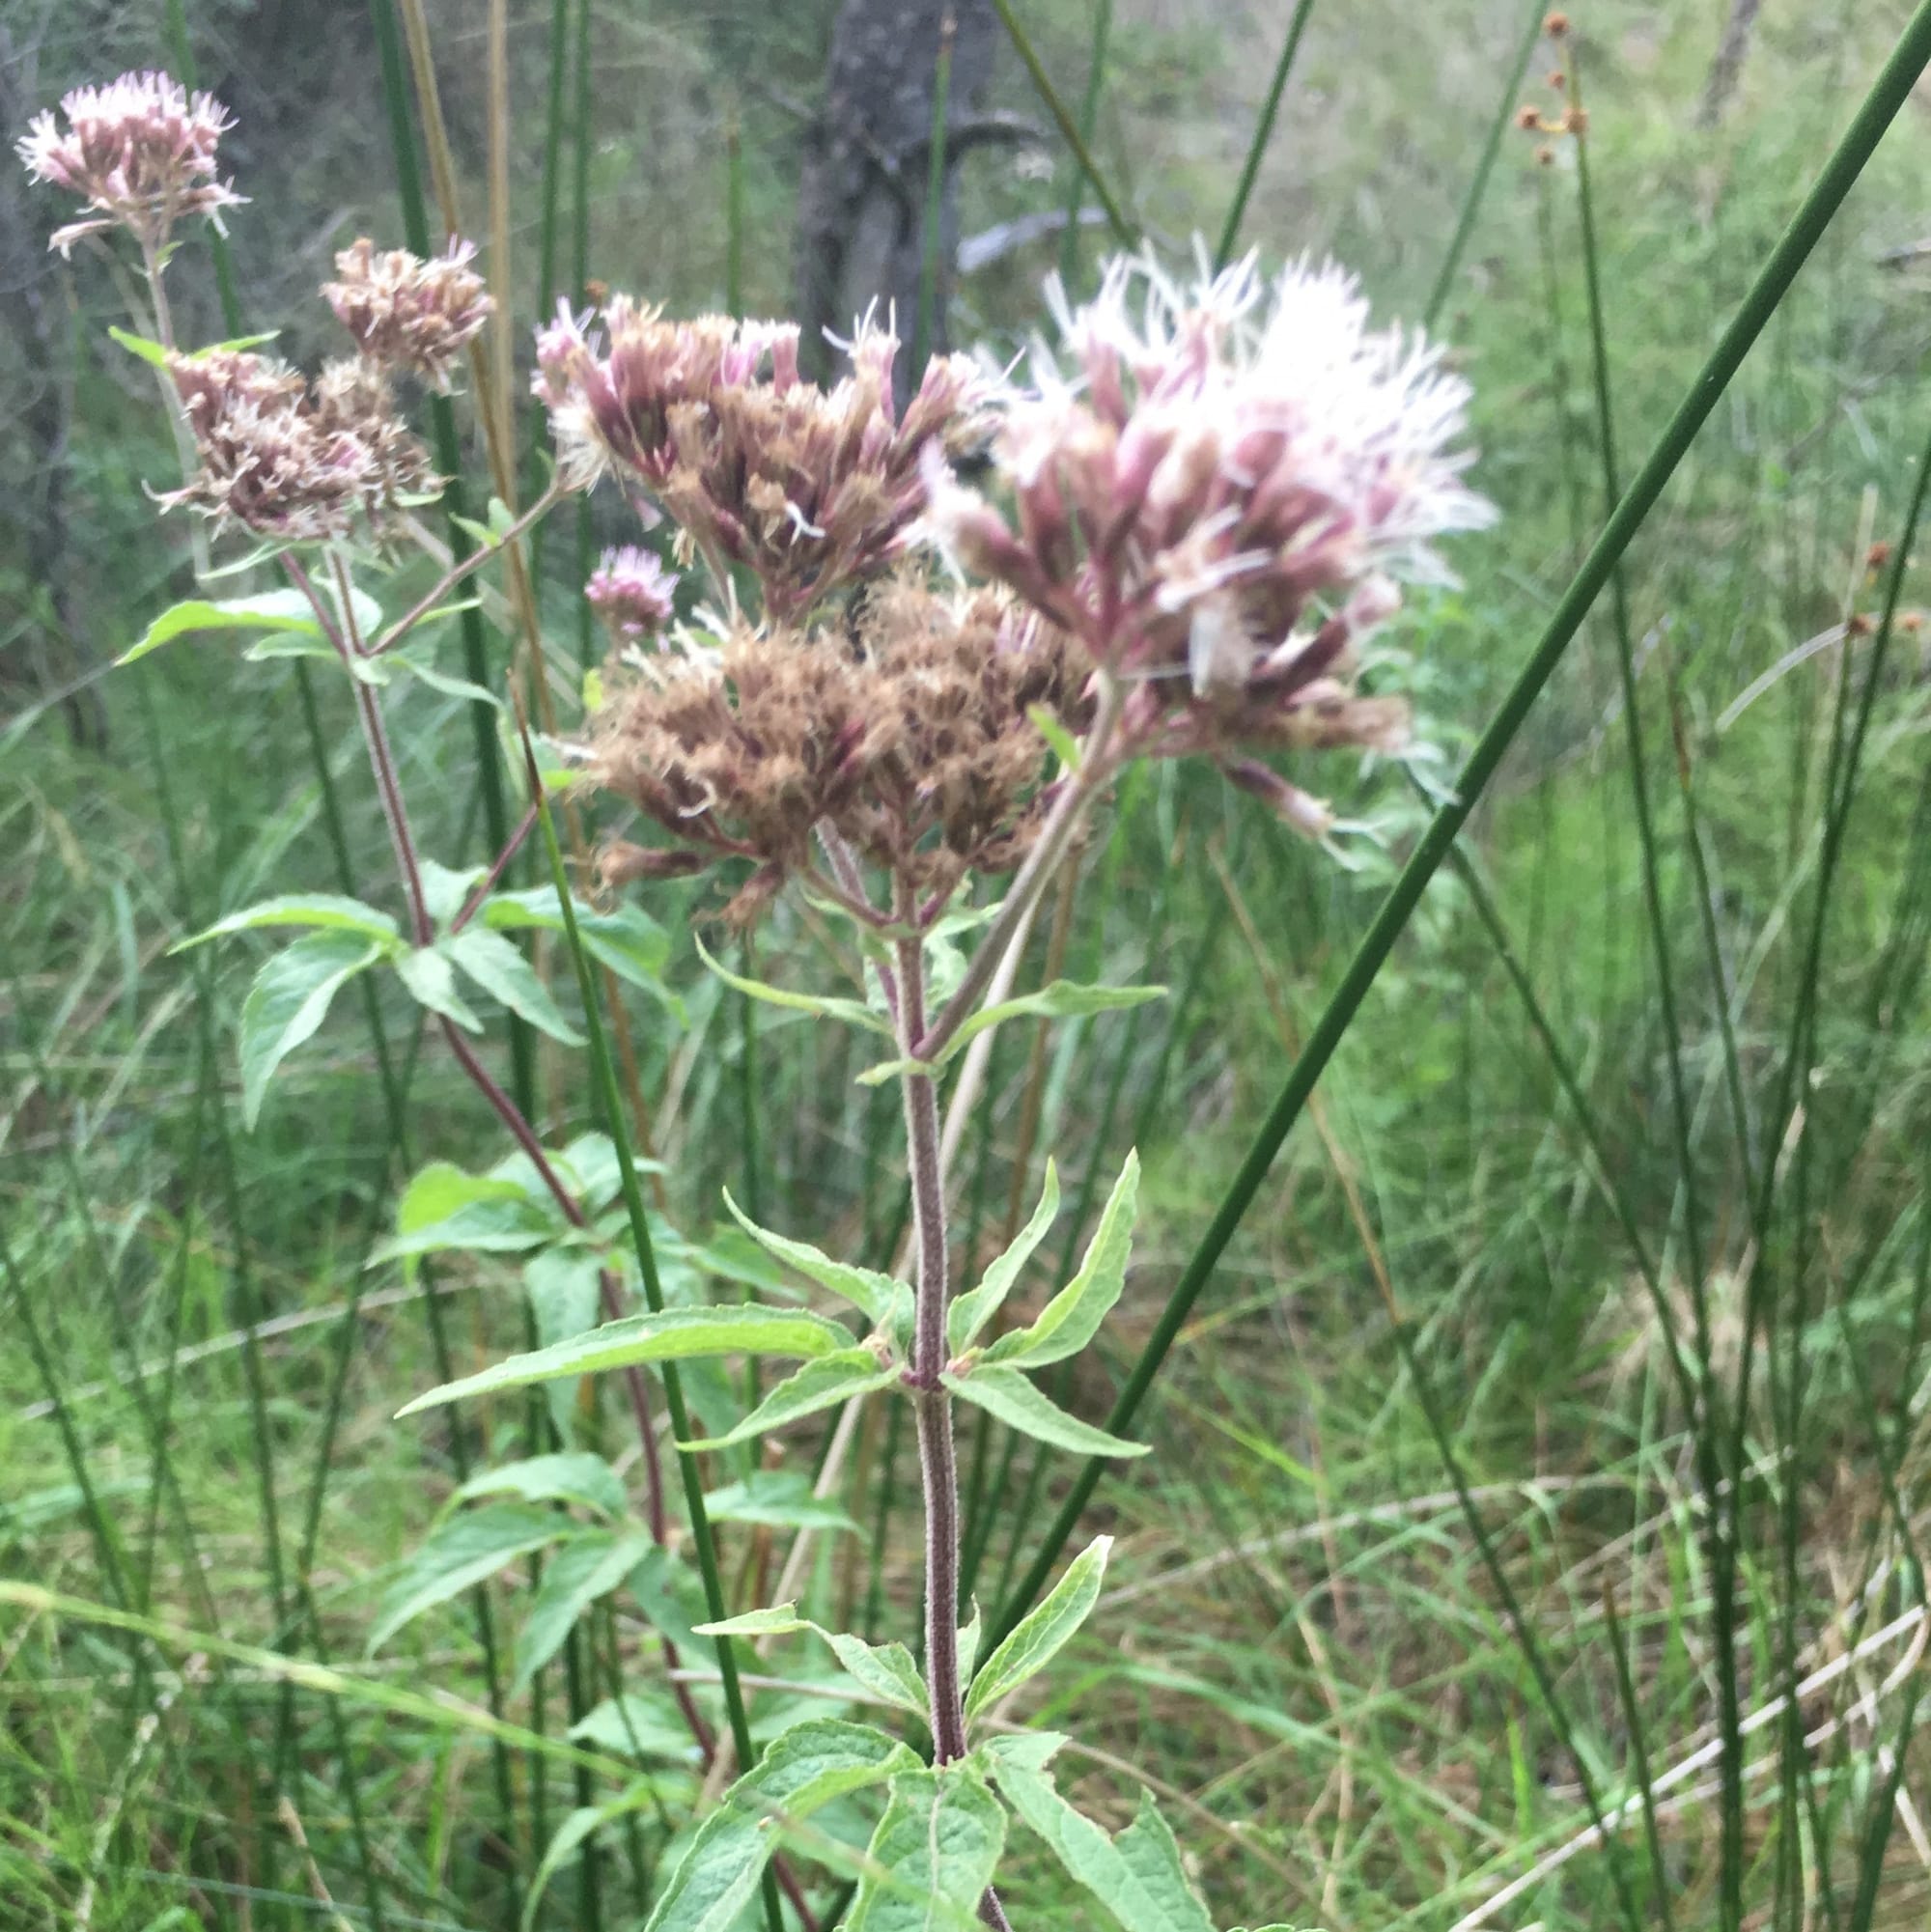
(1529,118)
(1307,815)
(1219,499)
(410,316)
(1555,25)
(139,151)
(809,488)
(631,591)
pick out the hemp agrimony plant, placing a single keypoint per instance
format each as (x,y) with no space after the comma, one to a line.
(899,698)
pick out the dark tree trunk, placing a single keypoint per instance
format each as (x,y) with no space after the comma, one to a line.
(1727,68)
(862,188)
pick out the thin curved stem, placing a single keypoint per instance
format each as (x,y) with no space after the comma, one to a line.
(1054,840)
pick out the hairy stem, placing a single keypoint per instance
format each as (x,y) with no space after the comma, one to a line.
(931,1402)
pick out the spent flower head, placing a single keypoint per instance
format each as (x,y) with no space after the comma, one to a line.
(140,152)
(913,737)
(288,459)
(808,488)
(1218,490)
(407,315)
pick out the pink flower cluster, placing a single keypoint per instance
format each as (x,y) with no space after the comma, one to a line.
(808,488)
(631,592)
(139,151)
(1217,495)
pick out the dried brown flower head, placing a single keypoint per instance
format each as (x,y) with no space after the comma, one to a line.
(286,460)
(1555,25)
(910,736)
(808,488)
(407,315)
(139,151)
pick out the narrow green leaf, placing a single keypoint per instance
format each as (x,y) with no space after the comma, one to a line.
(667,1336)
(465,1549)
(939,1838)
(445,1207)
(1045,1631)
(421,666)
(500,970)
(1138,1876)
(885,1672)
(157,352)
(567,1840)
(325,912)
(805,1768)
(290,1000)
(779,1620)
(853,1012)
(972,1310)
(868,1291)
(778,1498)
(626,939)
(445,892)
(432,981)
(1006,1393)
(1063,999)
(641,1724)
(818,1385)
(1073,1317)
(592,1564)
(566,1476)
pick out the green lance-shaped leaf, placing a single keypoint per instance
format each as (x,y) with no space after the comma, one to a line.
(1138,1876)
(416,662)
(822,1384)
(445,1207)
(884,1671)
(432,981)
(1063,999)
(853,1012)
(590,1565)
(1007,1394)
(869,1292)
(805,1768)
(670,1334)
(566,1476)
(777,1498)
(325,912)
(290,1000)
(463,1550)
(939,1840)
(446,890)
(268,610)
(581,1824)
(1073,1317)
(973,1309)
(1045,1631)
(501,970)
(625,939)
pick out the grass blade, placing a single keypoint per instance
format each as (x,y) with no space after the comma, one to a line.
(1230,233)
